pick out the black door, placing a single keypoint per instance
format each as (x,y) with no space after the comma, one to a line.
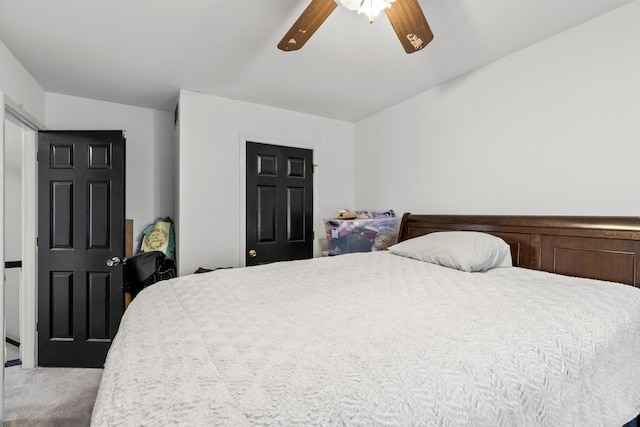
(279,203)
(80,243)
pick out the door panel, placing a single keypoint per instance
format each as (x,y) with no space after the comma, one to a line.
(61,291)
(295,221)
(62,220)
(279,203)
(80,227)
(266,214)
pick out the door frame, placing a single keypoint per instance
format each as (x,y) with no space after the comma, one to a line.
(28,316)
(242,231)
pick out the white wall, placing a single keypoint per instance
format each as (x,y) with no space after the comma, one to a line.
(552,129)
(149,133)
(211,133)
(19,85)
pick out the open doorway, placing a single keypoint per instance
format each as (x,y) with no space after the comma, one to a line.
(12,236)
(19,237)
(20,127)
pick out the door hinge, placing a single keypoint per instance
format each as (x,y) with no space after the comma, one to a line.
(313,169)
(313,235)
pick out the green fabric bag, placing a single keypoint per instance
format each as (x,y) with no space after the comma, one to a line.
(159,236)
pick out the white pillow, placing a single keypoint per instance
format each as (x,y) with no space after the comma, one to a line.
(462,250)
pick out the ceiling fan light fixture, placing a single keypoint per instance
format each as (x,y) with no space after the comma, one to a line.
(350,4)
(371,8)
(406,18)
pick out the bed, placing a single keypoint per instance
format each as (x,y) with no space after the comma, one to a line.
(384,339)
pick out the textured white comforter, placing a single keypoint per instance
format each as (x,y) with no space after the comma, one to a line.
(375,339)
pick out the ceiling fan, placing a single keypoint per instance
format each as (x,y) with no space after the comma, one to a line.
(406,17)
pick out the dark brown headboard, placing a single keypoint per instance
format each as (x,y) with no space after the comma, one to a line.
(604,248)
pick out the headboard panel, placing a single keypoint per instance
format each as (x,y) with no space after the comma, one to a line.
(604,248)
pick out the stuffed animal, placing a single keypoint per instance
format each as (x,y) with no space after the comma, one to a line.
(347,214)
(383,240)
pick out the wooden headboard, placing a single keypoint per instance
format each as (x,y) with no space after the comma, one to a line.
(604,248)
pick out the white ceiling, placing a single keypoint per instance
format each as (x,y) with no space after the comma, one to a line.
(140,52)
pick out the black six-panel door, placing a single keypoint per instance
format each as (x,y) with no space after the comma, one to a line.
(80,243)
(279,205)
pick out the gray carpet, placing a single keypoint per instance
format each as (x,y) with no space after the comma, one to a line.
(49,396)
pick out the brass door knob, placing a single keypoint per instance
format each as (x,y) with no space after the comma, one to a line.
(253,253)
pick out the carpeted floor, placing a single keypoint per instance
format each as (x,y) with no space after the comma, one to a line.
(49,396)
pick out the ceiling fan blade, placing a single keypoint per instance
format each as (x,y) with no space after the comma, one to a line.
(307,24)
(409,23)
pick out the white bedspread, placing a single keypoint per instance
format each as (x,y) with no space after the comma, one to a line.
(374,339)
